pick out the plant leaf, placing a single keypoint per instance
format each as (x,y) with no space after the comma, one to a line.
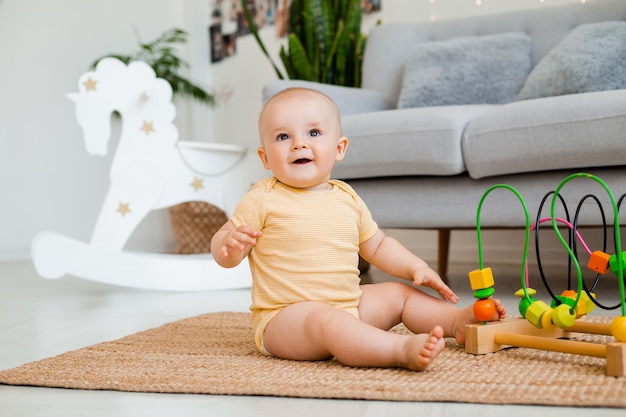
(161,55)
(301,65)
(255,32)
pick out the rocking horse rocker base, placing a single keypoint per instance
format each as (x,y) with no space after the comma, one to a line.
(55,255)
(151,170)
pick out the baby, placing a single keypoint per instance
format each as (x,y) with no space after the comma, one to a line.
(303,233)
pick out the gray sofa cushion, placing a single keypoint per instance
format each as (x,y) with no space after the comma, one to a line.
(592,57)
(466,70)
(421,141)
(547,134)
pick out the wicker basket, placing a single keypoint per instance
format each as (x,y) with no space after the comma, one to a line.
(194,224)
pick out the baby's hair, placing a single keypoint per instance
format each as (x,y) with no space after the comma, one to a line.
(292,90)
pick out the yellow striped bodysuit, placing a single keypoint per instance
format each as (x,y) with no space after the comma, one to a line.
(309,248)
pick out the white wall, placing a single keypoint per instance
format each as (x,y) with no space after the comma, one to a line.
(411,10)
(47,180)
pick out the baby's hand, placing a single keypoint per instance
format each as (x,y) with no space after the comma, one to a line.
(427,277)
(238,240)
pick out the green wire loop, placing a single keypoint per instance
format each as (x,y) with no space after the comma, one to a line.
(526,233)
(618,245)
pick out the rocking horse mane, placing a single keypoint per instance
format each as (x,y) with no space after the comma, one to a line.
(121,83)
(133,91)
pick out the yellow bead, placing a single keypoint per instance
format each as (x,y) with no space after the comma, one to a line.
(563,316)
(535,311)
(546,320)
(520,293)
(585,304)
(590,306)
(481,278)
(581,308)
(618,328)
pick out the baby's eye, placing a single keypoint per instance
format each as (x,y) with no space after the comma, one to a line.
(282,136)
(314,133)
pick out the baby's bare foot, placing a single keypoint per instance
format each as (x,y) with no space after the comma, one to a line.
(466,316)
(422,349)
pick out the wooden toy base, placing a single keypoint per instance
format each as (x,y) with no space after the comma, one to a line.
(518,332)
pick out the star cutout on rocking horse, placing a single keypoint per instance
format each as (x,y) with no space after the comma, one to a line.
(197,183)
(148,127)
(90,84)
(123,209)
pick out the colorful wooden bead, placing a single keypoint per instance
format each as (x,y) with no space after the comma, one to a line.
(484,309)
(481,278)
(614,266)
(560,299)
(535,311)
(585,304)
(525,302)
(546,320)
(520,293)
(599,262)
(588,305)
(484,292)
(618,328)
(563,316)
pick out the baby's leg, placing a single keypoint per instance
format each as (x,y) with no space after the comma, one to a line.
(387,304)
(317,331)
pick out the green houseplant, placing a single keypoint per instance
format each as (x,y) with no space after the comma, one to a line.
(161,55)
(324,43)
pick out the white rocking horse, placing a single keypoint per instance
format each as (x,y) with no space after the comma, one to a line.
(150,170)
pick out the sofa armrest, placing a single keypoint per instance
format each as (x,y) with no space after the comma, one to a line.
(350,100)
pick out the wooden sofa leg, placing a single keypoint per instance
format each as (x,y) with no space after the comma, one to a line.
(443,252)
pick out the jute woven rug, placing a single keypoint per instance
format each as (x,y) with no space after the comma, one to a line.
(215,354)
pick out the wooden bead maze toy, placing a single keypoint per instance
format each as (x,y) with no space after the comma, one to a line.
(549,327)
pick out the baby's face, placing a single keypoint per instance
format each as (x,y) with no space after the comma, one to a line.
(301,139)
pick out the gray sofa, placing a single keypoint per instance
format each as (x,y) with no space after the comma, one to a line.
(528,122)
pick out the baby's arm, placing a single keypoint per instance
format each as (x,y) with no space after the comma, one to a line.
(231,244)
(392,257)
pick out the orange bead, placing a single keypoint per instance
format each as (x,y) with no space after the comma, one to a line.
(484,309)
(599,262)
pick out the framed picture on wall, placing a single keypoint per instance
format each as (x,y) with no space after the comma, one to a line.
(223,28)
(369,6)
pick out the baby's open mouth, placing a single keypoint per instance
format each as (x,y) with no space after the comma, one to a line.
(301,161)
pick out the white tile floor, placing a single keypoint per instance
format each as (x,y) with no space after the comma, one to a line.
(40,318)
